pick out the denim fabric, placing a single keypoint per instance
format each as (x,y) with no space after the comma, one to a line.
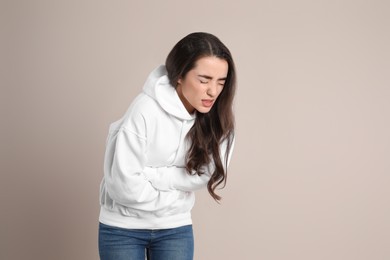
(135,244)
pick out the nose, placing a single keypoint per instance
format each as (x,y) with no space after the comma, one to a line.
(212,89)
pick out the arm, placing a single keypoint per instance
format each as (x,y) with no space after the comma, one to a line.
(124,175)
(177,178)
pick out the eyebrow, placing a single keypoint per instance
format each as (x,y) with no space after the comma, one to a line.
(209,77)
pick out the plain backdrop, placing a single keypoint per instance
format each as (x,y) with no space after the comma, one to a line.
(310,176)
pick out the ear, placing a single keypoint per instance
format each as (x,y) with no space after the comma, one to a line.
(179,81)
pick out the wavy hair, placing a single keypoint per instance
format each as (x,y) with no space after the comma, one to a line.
(210,129)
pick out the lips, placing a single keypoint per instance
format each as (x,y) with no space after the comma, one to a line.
(207,102)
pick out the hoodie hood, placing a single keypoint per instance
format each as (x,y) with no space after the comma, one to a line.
(157,86)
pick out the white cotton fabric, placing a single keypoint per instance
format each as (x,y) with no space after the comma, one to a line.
(145,184)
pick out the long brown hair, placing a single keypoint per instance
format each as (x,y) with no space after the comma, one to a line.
(212,128)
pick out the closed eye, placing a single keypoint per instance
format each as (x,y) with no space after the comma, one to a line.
(221,82)
(204,79)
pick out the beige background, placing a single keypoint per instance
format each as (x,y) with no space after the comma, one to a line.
(310,175)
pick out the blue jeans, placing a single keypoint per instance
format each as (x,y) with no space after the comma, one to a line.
(135,244)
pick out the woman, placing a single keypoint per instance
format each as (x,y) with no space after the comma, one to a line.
(176,137)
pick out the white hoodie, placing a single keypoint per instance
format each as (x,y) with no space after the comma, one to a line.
(145,184)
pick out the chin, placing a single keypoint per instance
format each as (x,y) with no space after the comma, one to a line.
(203,110)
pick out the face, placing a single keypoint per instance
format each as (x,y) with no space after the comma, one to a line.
(201,86)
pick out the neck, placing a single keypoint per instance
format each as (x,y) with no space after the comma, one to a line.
(187,105)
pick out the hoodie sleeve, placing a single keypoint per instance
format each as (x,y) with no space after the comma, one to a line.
(124,175)
(177,178)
